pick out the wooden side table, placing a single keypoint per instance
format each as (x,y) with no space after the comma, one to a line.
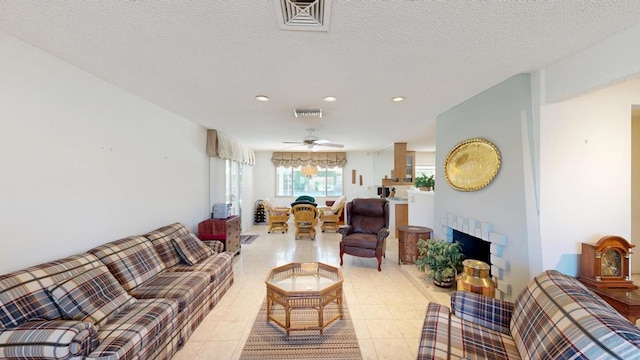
(627,302)
(408,236)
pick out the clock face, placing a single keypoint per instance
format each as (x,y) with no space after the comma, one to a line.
(611,264)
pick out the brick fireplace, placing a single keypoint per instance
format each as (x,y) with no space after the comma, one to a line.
(483,231)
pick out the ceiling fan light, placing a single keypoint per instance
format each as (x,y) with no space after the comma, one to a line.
(309,170)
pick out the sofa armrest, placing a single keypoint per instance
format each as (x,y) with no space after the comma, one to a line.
(383,234)
(482,310)
(53,339)
(435,336)
(215,245)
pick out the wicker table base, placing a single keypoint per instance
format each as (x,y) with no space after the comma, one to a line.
(304,286)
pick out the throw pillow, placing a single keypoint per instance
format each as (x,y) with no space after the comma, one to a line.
(269,204)
(94,296)
(191,249)
(338,204)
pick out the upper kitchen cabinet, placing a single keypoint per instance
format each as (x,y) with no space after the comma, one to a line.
(404,166)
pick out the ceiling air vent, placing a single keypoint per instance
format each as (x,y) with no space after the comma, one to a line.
(303,15)
(308,113)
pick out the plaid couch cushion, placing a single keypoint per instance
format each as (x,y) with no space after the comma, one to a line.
(482,310)
(191,249)
(445,336)
(56,339)
(23,294)
(139,330)
(216,245)
(161,240)
(216,266)
(557,317)
(132,260)
(183,287)
(92,296)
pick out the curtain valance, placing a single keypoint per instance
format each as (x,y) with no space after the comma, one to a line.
(321,159)
(227,148)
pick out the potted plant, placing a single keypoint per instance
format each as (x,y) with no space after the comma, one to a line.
(442,260)
(431,182)
(424,182)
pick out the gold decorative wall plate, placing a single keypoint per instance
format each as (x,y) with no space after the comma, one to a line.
(472,164)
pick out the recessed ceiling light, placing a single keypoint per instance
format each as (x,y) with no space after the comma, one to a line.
(330,99)
(397,98)
(262,98)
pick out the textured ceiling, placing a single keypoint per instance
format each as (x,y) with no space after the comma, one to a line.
(207,60)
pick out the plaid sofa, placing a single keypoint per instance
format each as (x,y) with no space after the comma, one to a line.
(555,317)
(132,298)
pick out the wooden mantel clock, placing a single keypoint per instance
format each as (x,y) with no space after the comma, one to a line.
(606,264)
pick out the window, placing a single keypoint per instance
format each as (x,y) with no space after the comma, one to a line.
(291,182)
(425,169)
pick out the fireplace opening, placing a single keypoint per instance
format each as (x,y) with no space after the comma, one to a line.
(473,247)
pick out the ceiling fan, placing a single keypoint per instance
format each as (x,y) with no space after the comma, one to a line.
(311,141)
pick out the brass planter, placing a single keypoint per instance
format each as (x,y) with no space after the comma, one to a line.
(476,279)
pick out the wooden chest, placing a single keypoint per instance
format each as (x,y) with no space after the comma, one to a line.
(226,230)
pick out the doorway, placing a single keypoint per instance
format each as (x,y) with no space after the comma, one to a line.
(225,185)
(233,186)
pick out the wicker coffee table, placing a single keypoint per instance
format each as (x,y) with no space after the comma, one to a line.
(304,286)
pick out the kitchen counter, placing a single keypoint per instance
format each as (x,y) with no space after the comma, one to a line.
(421,208)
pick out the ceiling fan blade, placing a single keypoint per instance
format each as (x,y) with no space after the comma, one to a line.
(292,146)
(311,141)
(327,143)
(331,145)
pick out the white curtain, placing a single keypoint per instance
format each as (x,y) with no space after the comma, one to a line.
(228,148)
(321,159)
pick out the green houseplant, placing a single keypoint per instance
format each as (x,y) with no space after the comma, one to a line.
(442,260)
(424,182)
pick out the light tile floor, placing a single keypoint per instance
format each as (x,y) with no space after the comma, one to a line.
(387,307)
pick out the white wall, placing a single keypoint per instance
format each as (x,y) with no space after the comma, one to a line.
(611,61)
(585,148)
(83,162)
(577,157)
(425,158)
(585,162)
(501,115)
(363,164)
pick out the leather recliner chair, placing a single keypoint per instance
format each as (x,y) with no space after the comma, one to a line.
(366,230)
